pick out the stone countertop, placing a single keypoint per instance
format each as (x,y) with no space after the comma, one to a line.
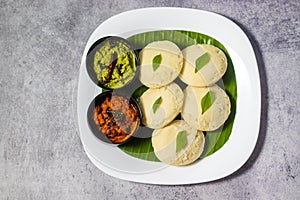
(41,156)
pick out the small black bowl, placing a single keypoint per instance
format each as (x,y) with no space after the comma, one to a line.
(94,122)
(114,58)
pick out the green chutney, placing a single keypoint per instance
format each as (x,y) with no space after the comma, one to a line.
(114,63)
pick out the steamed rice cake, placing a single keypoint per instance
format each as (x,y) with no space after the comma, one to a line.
(169,106)
(214,117)
(165,141)
(168,59)
(212,70)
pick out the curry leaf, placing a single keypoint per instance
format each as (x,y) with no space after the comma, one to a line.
(156,104)
(181,140)
(207,101)
(201,61)
(156,62)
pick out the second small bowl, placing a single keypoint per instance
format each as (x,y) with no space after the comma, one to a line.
(113,118)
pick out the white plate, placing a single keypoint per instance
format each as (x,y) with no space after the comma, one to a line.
(245,131)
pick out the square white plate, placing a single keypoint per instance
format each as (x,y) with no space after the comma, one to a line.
(241,143)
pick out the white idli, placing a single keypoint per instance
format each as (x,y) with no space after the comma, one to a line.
(214,117)
(164,143)
(210,73)
(169,68)
(171,103)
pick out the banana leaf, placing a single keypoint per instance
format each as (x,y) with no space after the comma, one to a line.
(214,140)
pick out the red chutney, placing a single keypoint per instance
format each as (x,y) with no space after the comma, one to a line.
(117,118)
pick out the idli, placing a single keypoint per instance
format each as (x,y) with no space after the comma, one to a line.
(178,143)
(205,108)
(160,63)
(160,106)
(203,65)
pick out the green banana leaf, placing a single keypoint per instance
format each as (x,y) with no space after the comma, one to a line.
(214,140)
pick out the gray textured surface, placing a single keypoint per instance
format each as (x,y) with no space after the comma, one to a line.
(41,156)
